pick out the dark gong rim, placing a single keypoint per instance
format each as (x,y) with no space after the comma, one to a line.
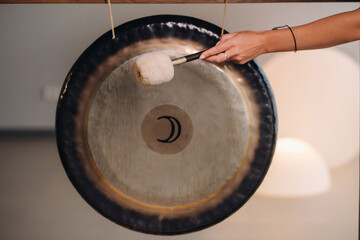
(104,47)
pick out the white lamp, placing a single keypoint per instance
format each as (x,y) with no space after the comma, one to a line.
(297,170)
(317,94)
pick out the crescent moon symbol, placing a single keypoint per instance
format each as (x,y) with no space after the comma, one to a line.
(171,137)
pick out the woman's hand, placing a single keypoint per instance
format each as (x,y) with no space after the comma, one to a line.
(239,47)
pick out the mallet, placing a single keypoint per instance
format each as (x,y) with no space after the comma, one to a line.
(156,67)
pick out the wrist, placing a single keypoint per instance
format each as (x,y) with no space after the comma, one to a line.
(264,42)
(271,41)
(278,40)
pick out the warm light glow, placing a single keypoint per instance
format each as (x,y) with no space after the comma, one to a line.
(317,94)
(297,170)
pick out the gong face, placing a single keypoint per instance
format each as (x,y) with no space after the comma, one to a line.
(171,158)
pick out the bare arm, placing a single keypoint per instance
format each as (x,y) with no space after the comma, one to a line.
(241,47)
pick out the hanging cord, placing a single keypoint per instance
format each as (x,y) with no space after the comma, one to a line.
(224,17)
(111,20)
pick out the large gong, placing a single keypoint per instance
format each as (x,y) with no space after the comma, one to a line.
(172,158)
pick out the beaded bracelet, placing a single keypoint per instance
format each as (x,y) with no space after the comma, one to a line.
(276,28)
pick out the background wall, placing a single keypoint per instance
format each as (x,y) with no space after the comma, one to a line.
(39,44)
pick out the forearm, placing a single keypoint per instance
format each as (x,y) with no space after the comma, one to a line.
(241,47)
(326,32)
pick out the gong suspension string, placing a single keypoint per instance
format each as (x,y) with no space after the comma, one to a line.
(111,20)
(224,17)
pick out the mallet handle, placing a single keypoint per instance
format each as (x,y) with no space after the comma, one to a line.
(187,58)
(193,56)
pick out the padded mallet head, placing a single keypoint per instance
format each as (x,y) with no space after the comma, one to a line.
(154,68)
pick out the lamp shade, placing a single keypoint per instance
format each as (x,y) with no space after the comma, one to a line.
(297,170)
(317,95)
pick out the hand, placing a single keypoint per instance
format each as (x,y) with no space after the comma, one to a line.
(239,47)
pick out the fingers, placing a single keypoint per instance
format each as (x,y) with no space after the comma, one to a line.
(220,47)
(215,50)
(239,48)
(217,58)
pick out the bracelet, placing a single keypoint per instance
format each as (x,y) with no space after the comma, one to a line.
(276,28)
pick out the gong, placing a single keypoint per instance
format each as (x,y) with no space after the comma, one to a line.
(171,158)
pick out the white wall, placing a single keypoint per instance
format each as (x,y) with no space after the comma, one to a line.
(39,43)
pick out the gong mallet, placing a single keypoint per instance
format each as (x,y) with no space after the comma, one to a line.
(156,67)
